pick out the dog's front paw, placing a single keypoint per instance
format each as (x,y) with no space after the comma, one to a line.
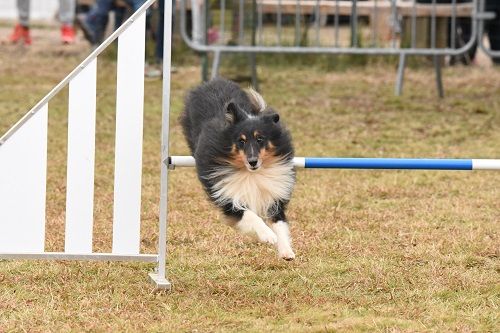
(266,235)
(286,254)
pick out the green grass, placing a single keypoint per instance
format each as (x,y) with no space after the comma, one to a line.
(387,251)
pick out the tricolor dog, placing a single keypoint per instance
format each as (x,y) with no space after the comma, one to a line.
(244,159)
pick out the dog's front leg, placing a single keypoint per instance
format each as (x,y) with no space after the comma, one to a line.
(284,243)
(247,222)
(282,230)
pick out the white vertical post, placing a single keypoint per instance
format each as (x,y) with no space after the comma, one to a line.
(81,156)
(160,279)
(128,146)
(23,174)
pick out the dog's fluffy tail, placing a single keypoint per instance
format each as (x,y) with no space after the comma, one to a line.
(256,99)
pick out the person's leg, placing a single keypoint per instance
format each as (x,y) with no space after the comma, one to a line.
(67,9)
(160,39)
(23,9)
(463,34)
(21,30)
(159,30)
(198,22)
(67,12)
(97,19)
(493,29)
(135,4)
(119,15)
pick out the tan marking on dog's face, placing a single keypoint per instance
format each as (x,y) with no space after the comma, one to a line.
(243,137)
(237,158)
(234,152)
(268,155)
(256,134)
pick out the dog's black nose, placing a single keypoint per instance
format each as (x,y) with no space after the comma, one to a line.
(253,162)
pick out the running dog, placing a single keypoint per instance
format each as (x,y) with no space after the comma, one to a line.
(244,159)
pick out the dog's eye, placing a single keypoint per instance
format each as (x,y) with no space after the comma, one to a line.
(241,142)
(260,139)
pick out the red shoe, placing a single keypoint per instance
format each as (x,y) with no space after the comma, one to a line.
(20,32)
(67,34)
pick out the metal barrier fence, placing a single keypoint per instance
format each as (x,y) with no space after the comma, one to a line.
(375,27)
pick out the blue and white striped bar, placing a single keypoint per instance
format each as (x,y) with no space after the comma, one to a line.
(373,163)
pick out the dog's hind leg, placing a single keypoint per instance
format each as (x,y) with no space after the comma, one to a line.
(247,222)
(282,230)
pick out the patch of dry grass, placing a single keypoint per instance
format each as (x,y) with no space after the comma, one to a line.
(376,250)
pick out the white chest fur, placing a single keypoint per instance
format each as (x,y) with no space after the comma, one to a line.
(258,191)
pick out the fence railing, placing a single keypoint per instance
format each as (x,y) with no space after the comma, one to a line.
(374,27)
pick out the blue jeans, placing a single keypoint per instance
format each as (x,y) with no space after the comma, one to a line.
(160,28)
(97,17)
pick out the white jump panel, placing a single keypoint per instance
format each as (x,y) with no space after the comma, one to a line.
(23,172)
(128,146)
(81,157)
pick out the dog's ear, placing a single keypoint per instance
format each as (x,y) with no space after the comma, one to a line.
(233,113)
(272,117)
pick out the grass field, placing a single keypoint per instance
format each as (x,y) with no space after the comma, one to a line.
(384,251)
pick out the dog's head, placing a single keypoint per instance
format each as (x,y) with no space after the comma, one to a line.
(254,137)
